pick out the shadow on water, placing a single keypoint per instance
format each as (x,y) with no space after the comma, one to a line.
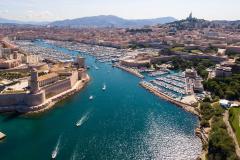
(11,116)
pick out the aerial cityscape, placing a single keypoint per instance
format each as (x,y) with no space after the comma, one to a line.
(109,81)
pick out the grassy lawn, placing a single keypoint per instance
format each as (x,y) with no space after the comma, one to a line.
(196,51)
(180,49)
(234,121)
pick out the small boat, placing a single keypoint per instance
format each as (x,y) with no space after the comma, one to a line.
(54,154)
(104,87)
(83,119)
(56,149)
(91,97)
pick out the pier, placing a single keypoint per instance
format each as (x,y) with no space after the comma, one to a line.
(130,70)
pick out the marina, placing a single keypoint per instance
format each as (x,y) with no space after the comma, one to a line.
(168,97)
(124,119)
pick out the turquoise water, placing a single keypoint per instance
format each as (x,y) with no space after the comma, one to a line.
(123,122)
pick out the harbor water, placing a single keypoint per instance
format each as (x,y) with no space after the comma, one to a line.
(123,122)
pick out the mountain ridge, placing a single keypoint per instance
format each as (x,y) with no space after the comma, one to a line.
(110,21)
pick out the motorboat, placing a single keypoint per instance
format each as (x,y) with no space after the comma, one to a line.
(91,97)
(104,87)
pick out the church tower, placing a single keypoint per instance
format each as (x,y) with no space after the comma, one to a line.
(190,16)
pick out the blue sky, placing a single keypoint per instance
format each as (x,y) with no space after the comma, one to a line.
(48,10)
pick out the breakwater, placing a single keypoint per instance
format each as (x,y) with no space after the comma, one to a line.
(129,70)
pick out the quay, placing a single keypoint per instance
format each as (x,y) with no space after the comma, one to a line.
(129,70)
(185,106)
(2,136)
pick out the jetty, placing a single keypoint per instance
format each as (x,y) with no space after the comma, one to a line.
(155,91)
(130,70)
(2,136)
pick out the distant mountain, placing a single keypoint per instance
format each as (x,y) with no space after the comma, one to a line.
(3,20)
(8,21)
(110,21)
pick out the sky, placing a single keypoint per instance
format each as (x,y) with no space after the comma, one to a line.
(50,10)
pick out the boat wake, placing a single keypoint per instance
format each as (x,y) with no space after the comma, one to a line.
(56,149)
(75,154)
(83,119)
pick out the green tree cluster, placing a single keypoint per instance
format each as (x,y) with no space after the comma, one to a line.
(199,64)
(228,87)
(220,145)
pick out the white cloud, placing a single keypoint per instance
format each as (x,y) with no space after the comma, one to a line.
(39,15)
(3,13)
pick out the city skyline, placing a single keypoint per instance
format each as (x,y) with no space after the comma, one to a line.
(33,10)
